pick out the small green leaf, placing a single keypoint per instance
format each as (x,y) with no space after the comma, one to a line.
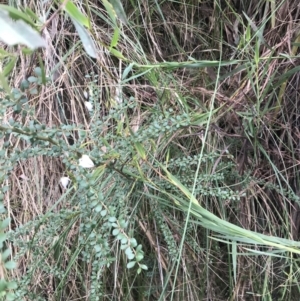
(120,236)
(24,84)
(32,79)
(133,242)
(112,219)
(10,265)
(139,257)
(124,240)
(144,267)
(123,224)
(131,264)
(37,71)
(115,232)
(76,14)
(128,251)
(103,213)
(98,208)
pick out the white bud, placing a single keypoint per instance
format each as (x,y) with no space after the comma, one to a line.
(88,105)
(86,95)
(64,181)
(118,96)
(86,162)
(23,177)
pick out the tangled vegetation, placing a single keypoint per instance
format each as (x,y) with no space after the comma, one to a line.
(149,150)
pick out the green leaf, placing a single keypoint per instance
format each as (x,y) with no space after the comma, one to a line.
(118,7)
(37,71)
(120,236)
(98,208)
(5,254)
(10,265)
(133,242)
(9,66)
(4,53)
(32,15)
(115,232)
(3,285)
(16,14)
(131,264)
(139,257)
(19,32)
(127,70)
(143,266)
(27,51)
(87,42)
(75,14)
(5,223)
(103,213)
(117,53)
(12,285)
(10,296)
(112,220)
(110,10)
(128,251)
(115,38)
(32,79)
(139,248)
(124,240)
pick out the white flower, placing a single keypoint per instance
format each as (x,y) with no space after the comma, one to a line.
(86,162)
(88,105)
(86,95)
(64,181)
(23,177)
(118,96)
